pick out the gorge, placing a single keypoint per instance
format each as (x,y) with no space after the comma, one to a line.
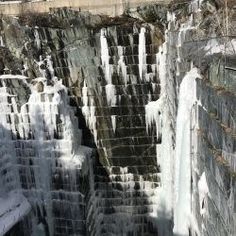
(119,125)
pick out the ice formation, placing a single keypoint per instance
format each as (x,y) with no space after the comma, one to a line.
(41,144)
(1,42)
(89,111)
(105,55)
(142,52)
(187,99)
(37,39)
(121,65)
(13,207)
(145,176)
(203,193)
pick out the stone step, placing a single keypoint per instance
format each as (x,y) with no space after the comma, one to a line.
(111,112)
(129,50)
(139,87)
(151,59)
(122,101)
(126,186)
(118,170)
(152,177)
(127,150)
(138,161)
(121,121)
(135,89)
(123,132)
(125,202)
(138,169)
(127,140)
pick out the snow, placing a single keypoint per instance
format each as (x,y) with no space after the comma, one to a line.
(203,192)
(142,51)
(182,208)
(13,207)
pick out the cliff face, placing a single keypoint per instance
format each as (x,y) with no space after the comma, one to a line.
(120,126)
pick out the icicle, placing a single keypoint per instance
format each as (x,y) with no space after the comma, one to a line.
(153,116)
(113,122)
(50,65)
(203,192)
(105,55)
(37,39)
(142,52)
(40,65)
(111,94)
(121,64)
(1,42)
(85,94)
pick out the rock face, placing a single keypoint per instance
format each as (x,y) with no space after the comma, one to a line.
(120,126)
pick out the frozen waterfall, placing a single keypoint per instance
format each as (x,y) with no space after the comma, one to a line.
(42,152)
(187,99)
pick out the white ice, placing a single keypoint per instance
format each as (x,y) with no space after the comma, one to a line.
(142,52)
(37,39)
(113,122)
(182,208)
(13,207)
(1,42)
(215,47)
(121,65)
(203,192)
(111,94)
(105,55)
(158,113)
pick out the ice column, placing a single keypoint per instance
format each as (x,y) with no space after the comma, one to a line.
(37,39)
(182,208)
(121,64)
(110,88)
(142,52)
(105,55)
(89,111)
(158,113)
